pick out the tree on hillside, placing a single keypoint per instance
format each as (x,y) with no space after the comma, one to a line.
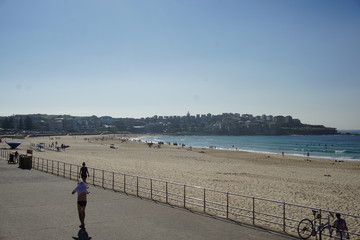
(28,123)
(21,124)
(8,123)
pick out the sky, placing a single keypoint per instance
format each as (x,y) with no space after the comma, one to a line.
(140,58)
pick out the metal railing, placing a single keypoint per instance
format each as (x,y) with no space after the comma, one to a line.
(280,216)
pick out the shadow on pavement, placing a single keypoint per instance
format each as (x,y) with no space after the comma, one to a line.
(82,235)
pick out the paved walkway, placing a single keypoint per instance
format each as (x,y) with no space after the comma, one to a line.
(37,205)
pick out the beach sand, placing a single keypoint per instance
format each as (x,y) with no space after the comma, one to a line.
(313,182)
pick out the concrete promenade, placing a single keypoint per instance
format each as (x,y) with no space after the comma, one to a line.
(37,205)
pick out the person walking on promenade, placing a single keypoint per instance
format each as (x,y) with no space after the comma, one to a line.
(84,173)
(341,227)
(81,190)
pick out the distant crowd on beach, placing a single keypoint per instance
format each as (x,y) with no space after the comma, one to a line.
(54,146)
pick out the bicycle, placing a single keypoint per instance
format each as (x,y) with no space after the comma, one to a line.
(308,228)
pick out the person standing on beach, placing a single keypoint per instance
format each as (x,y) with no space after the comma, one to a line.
(84,173)
(81,190)
(16,156)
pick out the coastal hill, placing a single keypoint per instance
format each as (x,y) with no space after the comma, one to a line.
(200,124)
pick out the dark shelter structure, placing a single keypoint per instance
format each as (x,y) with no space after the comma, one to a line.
(13,145)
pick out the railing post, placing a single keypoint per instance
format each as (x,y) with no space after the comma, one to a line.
(64,170)
(227,205)
(253,210)
(184,196)
(166,194)
(77,172)
(52,167)
(102,184)
(124,183)
(284,218)
(93,176)
(42,164)
(151,197)
(113,182)
(47,165)
(137,186)
(204,200)
(70,170)
(58,168)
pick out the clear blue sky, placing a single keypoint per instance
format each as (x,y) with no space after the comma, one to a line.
(140,58)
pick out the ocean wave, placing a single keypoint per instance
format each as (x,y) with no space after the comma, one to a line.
(340,151)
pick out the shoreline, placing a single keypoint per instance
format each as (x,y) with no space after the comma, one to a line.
(294,155)
(303,155)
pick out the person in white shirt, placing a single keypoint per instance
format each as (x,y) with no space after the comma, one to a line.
(82,192)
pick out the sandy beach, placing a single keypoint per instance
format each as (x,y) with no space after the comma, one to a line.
(313,182)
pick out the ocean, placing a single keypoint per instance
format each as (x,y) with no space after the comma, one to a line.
(339,147)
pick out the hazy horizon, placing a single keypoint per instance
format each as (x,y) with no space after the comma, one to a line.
(136,58)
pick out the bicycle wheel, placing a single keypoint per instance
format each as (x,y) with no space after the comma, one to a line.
(325,232)
(305,228)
